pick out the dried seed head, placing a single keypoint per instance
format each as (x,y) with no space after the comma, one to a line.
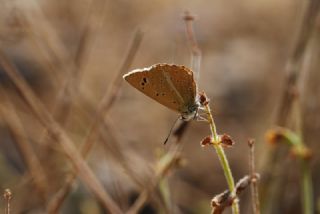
(187,16)
(255,177)
(226,140)
(7,194)
(221,200)
(242,184)
(206,141)
(301,152)
(273,137)
(203,99)
(251,142)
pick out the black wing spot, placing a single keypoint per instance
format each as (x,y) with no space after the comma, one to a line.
(157,94)
(142,88)
(142,83)
(144,79)
(163,94)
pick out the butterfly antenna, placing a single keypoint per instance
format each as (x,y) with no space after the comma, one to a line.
(173,125)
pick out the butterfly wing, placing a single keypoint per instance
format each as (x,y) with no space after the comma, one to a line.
(183,80)
(171,85)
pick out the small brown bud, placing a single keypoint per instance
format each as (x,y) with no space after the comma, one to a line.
(220,199)
(187,16)
(251,142)
(7,194)
(301,152)
(206,141)
(242,184)
(255,177)
(226,141)
(273,137)
(203,99)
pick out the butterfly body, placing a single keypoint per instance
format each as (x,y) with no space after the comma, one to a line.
(171,85)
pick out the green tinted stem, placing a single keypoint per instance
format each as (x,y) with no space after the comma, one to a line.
(307,189)
(222,157)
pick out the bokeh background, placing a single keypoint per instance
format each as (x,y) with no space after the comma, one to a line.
(71,54)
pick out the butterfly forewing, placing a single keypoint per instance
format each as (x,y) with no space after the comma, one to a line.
(153,83)
(171,85)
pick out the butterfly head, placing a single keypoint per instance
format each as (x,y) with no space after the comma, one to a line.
(191,112)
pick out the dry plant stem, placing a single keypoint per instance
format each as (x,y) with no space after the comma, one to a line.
(294,63)
(222,157)
(55,48)
(225,199)
(76,66)
(7,197)
(109,98)
(165,164)
(195,50)
(196,62)
(59,135)
(293,71)
(310,91)
(73,69)
(112,143)
(254,185)
(25,149)
(105,104)
(39,31)
(307,188)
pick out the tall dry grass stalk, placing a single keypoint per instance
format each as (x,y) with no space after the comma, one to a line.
(294,66)
(59,135)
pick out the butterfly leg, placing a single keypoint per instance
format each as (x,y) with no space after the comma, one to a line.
(200,118)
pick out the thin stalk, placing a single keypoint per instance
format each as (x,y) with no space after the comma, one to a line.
(223,158)
(307,199)
(7,197)
(254,185)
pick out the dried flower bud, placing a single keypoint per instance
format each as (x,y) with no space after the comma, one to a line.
(255,177)
(274,136)
(226,140)
(251,142)
(221,201)
(203,99)
(242,184)
(188,17)
(206,141)
(7,194)
(301,152)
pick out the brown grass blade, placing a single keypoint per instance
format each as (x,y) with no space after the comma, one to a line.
(59,135)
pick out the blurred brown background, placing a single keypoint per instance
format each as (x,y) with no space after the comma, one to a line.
(70,54)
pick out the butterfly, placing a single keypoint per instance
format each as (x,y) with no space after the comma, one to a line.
(170,85)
